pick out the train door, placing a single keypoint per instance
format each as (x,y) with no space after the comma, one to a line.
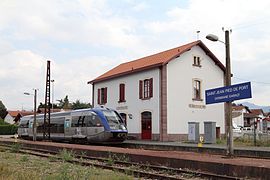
(81,129)
(67,127)
(146,121)
(124,117)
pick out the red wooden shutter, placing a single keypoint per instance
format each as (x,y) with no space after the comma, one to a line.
(105,95)
(140,89)
(123,92)
(98,96)
(120,92)
(151,87)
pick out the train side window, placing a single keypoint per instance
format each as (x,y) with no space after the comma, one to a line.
(74,121)
(78,121)
(93,121)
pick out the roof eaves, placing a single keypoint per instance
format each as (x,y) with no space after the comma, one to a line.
(124,73)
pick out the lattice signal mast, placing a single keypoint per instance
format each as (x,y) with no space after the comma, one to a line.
(47,112)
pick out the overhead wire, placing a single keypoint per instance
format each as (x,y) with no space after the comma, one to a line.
(251,23)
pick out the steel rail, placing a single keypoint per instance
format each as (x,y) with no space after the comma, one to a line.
(168,173)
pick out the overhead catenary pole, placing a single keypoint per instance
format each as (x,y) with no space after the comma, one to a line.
(47,111)
(228,105)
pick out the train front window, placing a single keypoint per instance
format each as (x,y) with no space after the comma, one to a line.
(113,119)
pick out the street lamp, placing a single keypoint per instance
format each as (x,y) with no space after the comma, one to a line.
(228,105)
(35,113)
(52,81)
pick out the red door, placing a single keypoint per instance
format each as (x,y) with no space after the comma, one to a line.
(146,125)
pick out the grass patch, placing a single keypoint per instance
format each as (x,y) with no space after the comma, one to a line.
(66,155)
(250,142)
(15,148)
(15,166)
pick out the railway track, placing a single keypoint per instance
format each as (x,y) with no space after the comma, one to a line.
(114,163)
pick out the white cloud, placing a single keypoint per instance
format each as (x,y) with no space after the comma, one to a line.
(21,71)
(53,26)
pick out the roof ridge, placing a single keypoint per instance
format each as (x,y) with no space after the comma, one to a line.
(154,60)
(194,42)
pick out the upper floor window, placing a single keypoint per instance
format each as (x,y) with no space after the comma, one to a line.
(146,88)
(196,61)
(197,88)
(102,95)
(122,93)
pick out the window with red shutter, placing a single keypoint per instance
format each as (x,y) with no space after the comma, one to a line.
(146,88)
(197,90)
(102,95)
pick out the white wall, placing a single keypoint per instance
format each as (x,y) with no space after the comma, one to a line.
(133,104)
(180,73)
(9,119)
(239,120)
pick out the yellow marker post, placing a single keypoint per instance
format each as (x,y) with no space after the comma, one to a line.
(15,138)
(200,144)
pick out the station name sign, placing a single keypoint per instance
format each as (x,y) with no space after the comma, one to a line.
(228,93)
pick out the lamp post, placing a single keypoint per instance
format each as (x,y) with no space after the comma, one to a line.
(52,81)
(228,105)
(35,114)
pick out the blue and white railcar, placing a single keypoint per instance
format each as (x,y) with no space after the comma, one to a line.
(97,125)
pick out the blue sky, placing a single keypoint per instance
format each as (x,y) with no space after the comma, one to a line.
(85,38)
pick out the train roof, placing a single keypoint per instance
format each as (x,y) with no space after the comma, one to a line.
(65,113)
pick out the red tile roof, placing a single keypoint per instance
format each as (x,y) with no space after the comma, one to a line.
(22,113)
(240,108)
(155,60)
(257,111)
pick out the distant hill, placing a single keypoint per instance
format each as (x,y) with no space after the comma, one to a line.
(254,106)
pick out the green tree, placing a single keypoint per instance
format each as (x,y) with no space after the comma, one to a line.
(79,105)
(3,110)
(66,104)
(63,103)
(41,105)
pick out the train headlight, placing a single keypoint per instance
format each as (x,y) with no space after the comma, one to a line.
(122,127)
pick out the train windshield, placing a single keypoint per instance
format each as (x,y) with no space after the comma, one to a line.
(24,123)
(113,119)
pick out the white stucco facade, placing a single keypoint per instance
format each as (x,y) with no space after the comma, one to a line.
(133,106)
(181,108)
(238,117)
(9,119)
(172,105)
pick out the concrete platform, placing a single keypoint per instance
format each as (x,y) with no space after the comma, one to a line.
(237,167)
(257,152)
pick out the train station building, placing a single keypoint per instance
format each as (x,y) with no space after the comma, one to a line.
(158,95)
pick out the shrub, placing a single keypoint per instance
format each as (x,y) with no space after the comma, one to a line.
(2,122)
(66,155)
(8,129)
